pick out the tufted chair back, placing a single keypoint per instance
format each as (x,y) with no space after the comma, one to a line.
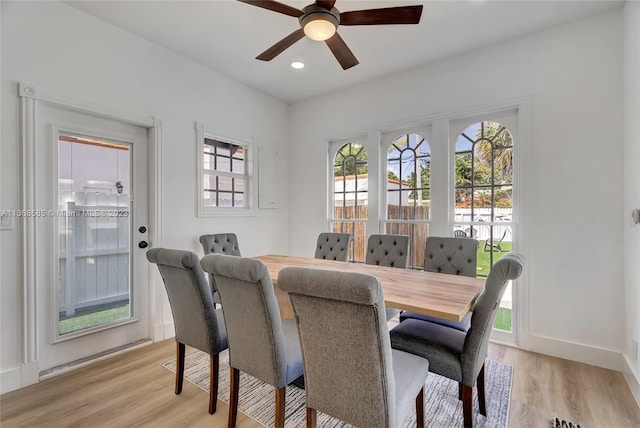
(219,243)
(333,246)
(388,250)
(454,256)
(350,371)
(460,354)
(476,342)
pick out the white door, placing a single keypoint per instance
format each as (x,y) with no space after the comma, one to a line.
(91,274)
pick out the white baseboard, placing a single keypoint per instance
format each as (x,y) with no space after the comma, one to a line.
(9,380)
(595,356)
(632,378)
(600,357)
(19,377)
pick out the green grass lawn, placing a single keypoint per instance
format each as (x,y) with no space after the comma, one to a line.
(503,318)
(93,316)
(483,257)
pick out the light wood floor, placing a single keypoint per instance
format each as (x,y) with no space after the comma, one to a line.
(133,389)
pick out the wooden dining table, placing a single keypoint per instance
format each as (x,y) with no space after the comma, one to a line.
(440,295)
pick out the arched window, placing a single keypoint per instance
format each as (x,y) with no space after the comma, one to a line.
(408,192)
(350,173)
(484,188)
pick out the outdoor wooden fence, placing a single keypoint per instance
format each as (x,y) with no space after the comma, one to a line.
(417,232)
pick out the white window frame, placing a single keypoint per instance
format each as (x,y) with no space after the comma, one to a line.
(249,176)
(386,139)
(334,147)
(440,136)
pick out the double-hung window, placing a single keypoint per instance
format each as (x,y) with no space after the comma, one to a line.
(408,192)
(350,195)
(225,176)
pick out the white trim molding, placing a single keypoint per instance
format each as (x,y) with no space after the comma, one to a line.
(631,377)
(29,361)
(580,352)
(157,295)
(251,185)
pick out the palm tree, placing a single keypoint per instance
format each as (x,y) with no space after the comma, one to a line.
(351,159)
(494,142)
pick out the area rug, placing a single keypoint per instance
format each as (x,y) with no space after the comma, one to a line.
(442,407)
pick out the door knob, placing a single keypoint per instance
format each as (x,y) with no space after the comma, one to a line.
(143,244)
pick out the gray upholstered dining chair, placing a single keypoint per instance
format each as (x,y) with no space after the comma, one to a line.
(350,370)
(455,256)
(197,323)
(260,343)
(388,250)
(219,243)
(456,354)
(333,246)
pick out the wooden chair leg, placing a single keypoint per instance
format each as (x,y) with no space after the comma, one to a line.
(281,395)
(420,408)
(180,351)
(234,385)
(481,396)
(312,418)
(467,406)
(214,364)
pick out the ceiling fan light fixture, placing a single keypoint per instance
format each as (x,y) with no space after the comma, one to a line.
(319,29)
(318,23)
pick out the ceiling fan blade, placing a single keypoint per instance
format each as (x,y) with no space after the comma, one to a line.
(279,47)
(341,51)
(327,4)
(390,15)
(275,6)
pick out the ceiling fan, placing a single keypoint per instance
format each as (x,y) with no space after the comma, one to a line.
(320,20)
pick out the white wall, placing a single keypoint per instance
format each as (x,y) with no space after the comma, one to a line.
(632,188)
(64,51)
(573,75)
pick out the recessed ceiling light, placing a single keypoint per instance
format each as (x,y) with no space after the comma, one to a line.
(297,65)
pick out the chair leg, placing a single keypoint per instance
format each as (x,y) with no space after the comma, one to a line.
(312,418)
(467,406)
(481,396)
(214,364)
(420,408)
(180,351)
(234,385)
(280,406)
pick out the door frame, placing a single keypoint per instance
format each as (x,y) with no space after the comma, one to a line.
(30,96)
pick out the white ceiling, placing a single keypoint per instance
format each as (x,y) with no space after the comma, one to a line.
(226,36)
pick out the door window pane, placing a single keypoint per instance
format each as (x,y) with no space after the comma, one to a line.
(93,233)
